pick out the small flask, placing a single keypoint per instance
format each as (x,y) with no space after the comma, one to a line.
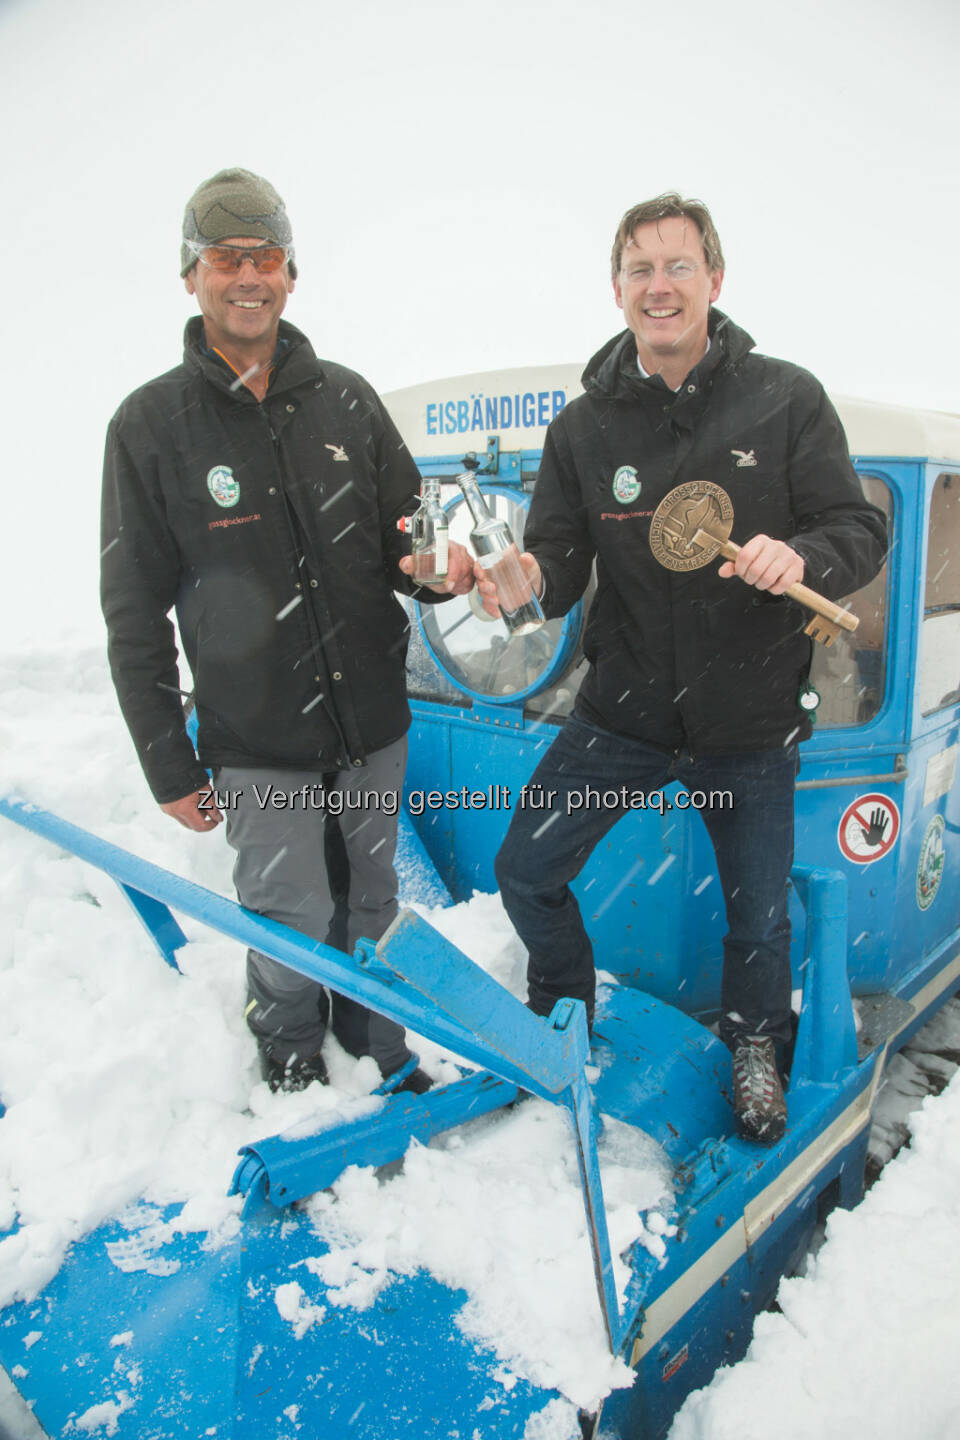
(430,549)
(497,552)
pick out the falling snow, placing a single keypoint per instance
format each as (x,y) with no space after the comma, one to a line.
(661,869)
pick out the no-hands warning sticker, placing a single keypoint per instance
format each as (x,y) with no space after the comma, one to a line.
(868,829)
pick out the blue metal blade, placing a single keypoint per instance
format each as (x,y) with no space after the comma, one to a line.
(159,922)
(449,999)
(290,1169)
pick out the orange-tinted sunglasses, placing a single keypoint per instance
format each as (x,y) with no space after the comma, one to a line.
(265,258)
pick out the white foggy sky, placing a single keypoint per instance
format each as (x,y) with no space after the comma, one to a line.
(454,175)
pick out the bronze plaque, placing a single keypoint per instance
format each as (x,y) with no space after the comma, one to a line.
(697,505)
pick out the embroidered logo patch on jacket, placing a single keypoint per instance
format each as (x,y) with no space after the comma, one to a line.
(626,485)
(222,486)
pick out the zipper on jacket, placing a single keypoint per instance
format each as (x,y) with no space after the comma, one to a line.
(315,639)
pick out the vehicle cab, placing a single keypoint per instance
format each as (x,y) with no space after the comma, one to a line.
(877,798)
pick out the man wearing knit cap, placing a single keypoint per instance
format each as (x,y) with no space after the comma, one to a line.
(256,490)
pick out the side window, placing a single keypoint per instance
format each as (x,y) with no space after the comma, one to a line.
(939,671)
(849,675)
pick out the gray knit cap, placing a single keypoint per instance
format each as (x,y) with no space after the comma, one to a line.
(234,202)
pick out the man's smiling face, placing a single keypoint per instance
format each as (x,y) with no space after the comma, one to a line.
(241,308)
(665,289)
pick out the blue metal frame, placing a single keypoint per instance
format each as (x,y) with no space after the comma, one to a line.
(923,725)
(413,975)
(659,1071)
(279,1171)
(888,726)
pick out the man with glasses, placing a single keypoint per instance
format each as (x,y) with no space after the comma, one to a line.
(257,490)
(694,676)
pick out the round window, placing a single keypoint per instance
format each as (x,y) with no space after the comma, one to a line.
(472,648)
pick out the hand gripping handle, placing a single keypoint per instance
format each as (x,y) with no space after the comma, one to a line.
(801,593)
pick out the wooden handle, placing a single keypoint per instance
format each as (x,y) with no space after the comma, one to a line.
(799,592)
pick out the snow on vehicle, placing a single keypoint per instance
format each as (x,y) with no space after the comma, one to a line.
(230,1342)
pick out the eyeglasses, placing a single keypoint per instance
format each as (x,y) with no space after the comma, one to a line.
(676,270)
(264,258)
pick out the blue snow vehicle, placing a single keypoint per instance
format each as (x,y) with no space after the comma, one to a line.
(876,923)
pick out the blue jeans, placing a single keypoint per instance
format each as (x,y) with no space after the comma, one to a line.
(753,842)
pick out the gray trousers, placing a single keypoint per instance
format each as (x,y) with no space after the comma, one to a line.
(330,877)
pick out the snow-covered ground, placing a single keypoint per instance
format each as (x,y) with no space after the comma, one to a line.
(124,1081)
(865,1344)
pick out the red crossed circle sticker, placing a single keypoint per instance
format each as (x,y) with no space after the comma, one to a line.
(868,828)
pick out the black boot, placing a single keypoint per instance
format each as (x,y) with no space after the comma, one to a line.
(294,1074)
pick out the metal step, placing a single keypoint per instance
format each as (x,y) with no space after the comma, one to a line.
(881,1015)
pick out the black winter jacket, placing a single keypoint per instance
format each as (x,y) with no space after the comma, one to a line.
(690,659)
(272,528)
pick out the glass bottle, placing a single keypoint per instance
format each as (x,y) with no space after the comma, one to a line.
(497,552)
(430,549)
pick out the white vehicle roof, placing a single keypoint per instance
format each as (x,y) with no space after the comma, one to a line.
(898,430)
(456,414)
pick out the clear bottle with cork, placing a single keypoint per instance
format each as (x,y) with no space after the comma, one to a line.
(430,548)
(497,552)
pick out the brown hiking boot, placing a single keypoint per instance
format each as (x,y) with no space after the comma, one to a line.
(758,1103)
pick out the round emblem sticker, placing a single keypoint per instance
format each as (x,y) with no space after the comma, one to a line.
(868,828)
(626,486)
(930,864)
(222,486)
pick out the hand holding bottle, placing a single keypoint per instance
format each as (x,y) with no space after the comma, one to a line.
(436,562)
(498,562)
(459,579)
(488,591)
(430,545)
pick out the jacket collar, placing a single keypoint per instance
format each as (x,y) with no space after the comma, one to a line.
(294,361)
(613,373)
